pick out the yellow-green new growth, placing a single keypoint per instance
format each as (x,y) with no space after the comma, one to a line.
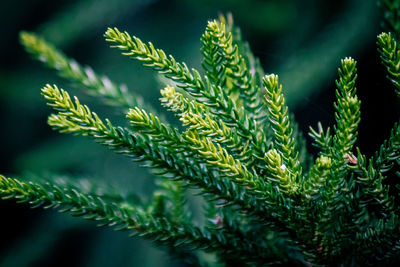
(280,173)
(195,115)
(156,59)
(175,101)
(279,120)
(71,118)
(219,158)
(83,77)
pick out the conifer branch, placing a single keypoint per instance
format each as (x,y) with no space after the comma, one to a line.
(372,189)
(134,219)
(390,57)
(339,193)
(389,152)
(347,115)
(93,207)
(158,60)
(116,95)
(371,173)
(279,120)
(106,190)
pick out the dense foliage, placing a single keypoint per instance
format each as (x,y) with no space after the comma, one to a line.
(267,200)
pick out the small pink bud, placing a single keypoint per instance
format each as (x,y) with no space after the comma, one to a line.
(352,159)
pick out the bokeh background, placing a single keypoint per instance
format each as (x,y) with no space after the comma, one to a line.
(300,40)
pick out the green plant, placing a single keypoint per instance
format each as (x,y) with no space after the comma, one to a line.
(266,203)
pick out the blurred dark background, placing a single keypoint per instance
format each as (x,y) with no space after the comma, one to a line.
(300,40)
